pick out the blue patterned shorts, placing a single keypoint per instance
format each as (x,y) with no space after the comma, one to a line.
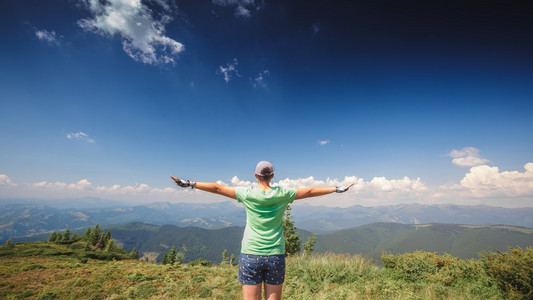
(254,269)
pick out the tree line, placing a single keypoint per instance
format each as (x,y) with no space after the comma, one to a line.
(95,239)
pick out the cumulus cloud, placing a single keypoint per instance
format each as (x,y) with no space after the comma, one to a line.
(259,81)
(486,181)
(143,36)
(481,185)
(229,70)
(5,180)
(377,188)
(140,193)
(47,36)
(243,8)
(79,136)
(467,157)
(323,142)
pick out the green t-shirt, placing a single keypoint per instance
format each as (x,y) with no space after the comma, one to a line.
(263,234)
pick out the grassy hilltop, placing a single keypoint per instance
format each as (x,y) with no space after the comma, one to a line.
(46,270)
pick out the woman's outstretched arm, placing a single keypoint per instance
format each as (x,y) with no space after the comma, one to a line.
(319,191)
(208,187)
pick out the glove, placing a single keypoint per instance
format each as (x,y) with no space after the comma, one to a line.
(185,183)
(341,189)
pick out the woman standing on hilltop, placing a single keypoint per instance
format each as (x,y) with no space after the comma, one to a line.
(263,246)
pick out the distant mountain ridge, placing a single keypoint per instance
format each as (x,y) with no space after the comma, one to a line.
(326,219)
(26,219)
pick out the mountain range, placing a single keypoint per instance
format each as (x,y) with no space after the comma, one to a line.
(26,219)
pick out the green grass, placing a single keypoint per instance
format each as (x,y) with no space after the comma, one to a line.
(36,271)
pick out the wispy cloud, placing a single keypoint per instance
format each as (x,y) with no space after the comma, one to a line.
(259,81)
(316,28)
(467,157)
(80,135)
(229,70)
(49,37)
(5,180)
(323,142)
(243,8)
(143,36)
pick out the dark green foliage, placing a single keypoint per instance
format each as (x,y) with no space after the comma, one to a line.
(225,258)
(292,240)
(512,270)
(66,236)
(94,243)
(172,257)
(232,259)
(200,262)
(53,237)
(33,267)
(310,244)
(63,238)
(134,254)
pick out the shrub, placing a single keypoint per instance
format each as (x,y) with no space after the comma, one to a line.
(143,291)
(512,270)
(444,269)
(140,277)
(33,267)
(9,244)
(292,240)
(200,262)
(413,266)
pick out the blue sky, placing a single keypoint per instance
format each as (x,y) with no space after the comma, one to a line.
(414,101)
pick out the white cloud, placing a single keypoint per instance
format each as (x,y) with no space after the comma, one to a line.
(481,185)
(47,36)
(5,180)
(138,193)
(242,11)
(243,8)
(378,191)
(486,181)
(467,157)
(143,37)
(259,81)
(229,70)
(79,136)
(323,142)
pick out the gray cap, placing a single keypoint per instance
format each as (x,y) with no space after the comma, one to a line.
(264,169)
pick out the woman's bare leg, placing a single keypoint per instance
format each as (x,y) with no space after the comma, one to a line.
(251,292)
(273,292)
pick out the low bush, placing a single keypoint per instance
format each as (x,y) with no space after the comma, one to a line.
(200,262)
(33,267)
(512,271)
(140,277)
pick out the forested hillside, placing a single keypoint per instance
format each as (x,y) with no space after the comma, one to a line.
(369,240)
(464,241)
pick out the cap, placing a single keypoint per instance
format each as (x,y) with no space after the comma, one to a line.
(264,169)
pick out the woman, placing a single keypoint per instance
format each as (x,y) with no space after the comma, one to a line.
(262,257)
